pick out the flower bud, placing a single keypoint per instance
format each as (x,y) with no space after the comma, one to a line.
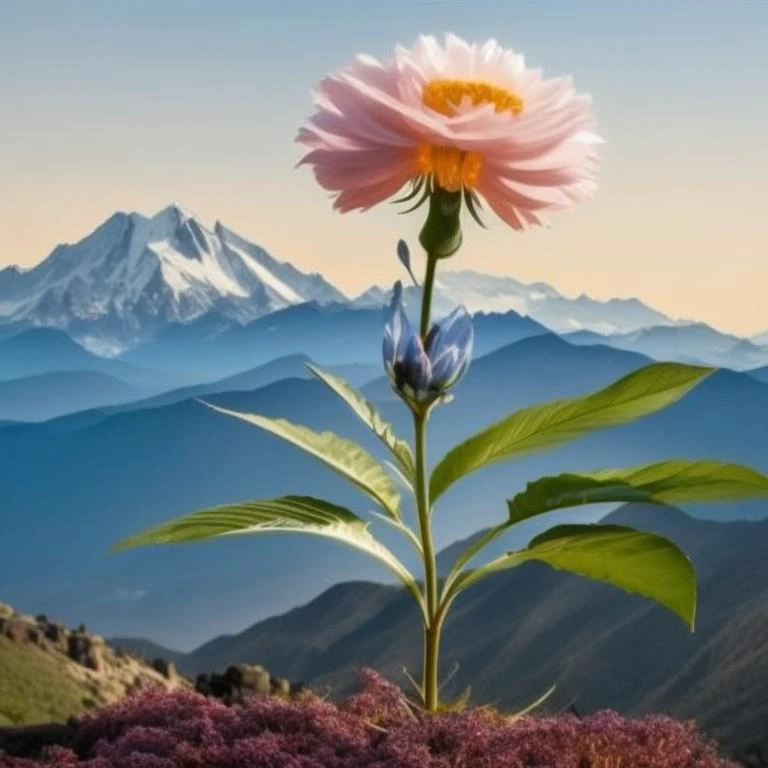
(420,370)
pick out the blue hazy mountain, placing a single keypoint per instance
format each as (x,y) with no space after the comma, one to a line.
(334,334)
(288,367)
(688,343)
(48,395)
(68,494)
(761,374)
(44,350)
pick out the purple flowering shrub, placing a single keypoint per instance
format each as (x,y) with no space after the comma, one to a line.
(374,729)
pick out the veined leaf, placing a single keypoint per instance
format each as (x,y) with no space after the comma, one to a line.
(339,454)
(642,392)
(370,416)
(641,563)
(671,482)
(288,514)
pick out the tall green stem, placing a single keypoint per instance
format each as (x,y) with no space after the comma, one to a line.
(431,627)
(440,237)
(430,674)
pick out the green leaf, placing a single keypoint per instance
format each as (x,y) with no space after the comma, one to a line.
(671,482)
(642,392)
(288,514)
(339,454)
(641,563)
(370,416)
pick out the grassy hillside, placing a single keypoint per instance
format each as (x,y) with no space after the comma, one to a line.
(37,687)
(49,673)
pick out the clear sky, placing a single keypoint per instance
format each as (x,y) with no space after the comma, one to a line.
(129,105)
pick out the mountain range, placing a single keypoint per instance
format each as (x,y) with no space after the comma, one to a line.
(496,293)
(696,343)
(135,277)
(90,479)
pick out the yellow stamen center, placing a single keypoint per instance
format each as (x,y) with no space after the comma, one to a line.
(452,168)
(445,96)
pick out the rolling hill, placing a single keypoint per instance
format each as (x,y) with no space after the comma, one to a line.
(43,350)
(48,395)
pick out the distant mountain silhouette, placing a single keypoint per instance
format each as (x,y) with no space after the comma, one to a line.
(43,350)
(500,293)
(332,334)
(48,395)
(686,342)
(145,649)
(761,374)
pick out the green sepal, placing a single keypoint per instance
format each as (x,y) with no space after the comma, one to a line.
(441,234)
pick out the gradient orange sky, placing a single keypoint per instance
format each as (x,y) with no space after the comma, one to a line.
(132,105)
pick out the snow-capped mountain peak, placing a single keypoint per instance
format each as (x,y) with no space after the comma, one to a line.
(134,275)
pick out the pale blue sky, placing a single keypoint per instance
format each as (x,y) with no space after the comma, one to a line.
(130,105)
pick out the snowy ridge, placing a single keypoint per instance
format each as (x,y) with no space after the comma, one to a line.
(135,275)
(491,293)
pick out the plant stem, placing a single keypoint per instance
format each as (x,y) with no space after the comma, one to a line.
(426,297)
(432,625)
(430,674)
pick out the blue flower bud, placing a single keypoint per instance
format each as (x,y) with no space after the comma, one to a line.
(422,371)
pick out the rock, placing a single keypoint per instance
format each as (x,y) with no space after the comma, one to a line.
(6,612)
(14,629)
(35,635)
(281,686)
(240,681)
(86,650)
(250,678)
(220,687)
(166,668)
(57,635)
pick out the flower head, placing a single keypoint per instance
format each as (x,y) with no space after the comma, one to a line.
(422,371)
(469,118)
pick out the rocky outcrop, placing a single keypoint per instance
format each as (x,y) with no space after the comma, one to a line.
(79,646)
(106,673)
(166,668)
(242,680)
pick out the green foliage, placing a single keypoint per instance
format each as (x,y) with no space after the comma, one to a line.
(341,455)
(289,514)
(641,563)
(371,417)
(638,394)
(670,482)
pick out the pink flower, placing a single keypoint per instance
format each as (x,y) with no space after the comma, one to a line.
(470,118)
